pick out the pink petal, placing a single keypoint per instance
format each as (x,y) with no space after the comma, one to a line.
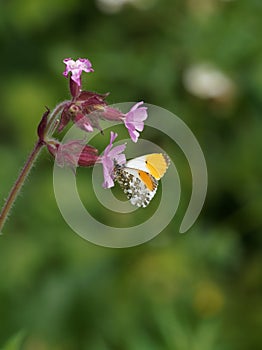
(76,68)
(136,106)
(109,157)
(134,135)
(116,150)
(113,136)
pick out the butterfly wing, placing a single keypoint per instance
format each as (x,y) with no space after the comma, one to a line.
(155,164)
(138,177)
(139,186)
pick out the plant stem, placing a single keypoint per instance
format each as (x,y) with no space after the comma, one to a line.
(50,129)
(19,183)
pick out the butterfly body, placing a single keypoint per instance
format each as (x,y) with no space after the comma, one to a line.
(139,177)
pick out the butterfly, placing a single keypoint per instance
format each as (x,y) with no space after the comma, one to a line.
(139,177)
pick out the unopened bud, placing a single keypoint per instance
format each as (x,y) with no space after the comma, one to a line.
(42,126)
(73,153)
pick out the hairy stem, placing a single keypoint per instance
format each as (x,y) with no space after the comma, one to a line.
(49,130)
(19,183)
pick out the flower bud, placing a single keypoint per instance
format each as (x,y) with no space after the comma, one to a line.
(73,153)
(64,119)
(42,126)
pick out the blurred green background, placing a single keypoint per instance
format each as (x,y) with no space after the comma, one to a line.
(200,59)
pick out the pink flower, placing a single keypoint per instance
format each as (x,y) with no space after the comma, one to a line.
(134,120)
(76,68)
(109,158)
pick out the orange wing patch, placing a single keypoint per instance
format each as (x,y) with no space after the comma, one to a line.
(147,179)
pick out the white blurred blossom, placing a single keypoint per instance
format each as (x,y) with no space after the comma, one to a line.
(206,81)
(114,6)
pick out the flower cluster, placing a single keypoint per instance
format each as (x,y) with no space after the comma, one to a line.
(85,110)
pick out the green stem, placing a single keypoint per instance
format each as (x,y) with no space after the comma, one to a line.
(19,183)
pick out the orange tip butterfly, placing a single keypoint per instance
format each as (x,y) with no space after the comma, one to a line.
(139,177)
